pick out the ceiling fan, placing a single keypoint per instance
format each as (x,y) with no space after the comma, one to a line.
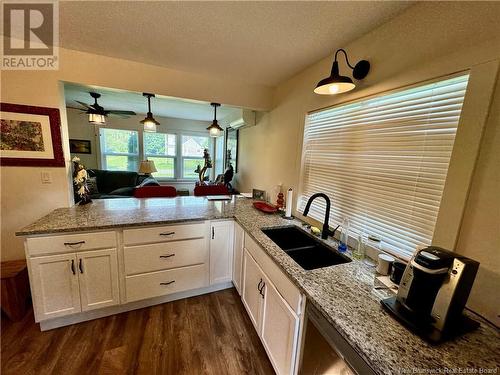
(97,114)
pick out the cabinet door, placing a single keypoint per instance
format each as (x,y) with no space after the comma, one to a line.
(221,251)
(98,275)
(55,286)
(238,257)
(279,331)
(253,279)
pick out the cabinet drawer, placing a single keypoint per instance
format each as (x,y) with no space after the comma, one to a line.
(288,290)
(161,283)
(165,255)
(164,233)
(70,243)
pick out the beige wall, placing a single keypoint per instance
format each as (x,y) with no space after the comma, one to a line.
(480,232)
(427,41)
(23,197)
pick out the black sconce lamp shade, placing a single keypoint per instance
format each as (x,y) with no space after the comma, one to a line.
(335,83)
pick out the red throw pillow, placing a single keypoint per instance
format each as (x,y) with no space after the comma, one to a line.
(155,192)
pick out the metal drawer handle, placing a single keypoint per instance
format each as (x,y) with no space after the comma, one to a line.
(73,266)
(80,265)
(258,285)
(167,233)
(168,282)
(74,243)
(166,256)
(261,290)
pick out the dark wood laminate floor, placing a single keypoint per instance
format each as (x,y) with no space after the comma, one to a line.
(209,334)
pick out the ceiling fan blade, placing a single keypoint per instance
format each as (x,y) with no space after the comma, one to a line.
(84,104)
(123,113)
(78,108)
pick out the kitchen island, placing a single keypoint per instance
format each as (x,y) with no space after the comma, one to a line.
(344,294)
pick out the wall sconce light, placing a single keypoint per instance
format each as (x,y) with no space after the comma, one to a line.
(337,84)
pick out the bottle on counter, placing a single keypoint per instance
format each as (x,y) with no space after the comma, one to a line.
(344,235)
(359,250)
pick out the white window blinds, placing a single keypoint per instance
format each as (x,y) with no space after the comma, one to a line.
(383,161)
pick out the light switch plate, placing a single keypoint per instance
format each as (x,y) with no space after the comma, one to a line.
(46,177)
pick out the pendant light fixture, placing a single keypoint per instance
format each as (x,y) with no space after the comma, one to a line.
(337,84)
(214,129)
(149,122)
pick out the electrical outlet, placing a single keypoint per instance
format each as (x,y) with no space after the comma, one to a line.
(46,177)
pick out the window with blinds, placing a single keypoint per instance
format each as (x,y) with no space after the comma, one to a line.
(383,161)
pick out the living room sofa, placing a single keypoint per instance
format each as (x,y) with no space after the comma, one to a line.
(117,184)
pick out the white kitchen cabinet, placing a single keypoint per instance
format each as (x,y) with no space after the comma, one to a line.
(239,237)
(275,306)
(221,251)
(253,294)
(98,277)
(280,327)
(54,286)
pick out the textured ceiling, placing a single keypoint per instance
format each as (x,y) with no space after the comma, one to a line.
(258,42)
(161,106)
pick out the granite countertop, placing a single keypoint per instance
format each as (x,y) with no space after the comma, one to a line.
(344,294)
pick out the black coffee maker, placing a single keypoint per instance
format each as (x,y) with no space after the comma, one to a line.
(433,292)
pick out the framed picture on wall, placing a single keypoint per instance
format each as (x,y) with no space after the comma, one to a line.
(30,136)
(231,154)
(79,146)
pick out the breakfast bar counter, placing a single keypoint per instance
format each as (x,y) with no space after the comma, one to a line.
(344,294)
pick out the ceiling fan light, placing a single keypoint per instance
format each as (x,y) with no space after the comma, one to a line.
(97,119)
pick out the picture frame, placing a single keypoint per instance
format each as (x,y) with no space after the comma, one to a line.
(259,195)
(231,148)
(80,146)
(30,136)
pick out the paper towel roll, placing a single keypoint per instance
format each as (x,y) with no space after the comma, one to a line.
(289,203)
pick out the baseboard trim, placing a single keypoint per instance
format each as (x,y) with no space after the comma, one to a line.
(46,325)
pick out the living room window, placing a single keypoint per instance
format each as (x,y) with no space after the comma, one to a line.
(175,155)
(119,149)
(192,154)
(162,149)
(383,161)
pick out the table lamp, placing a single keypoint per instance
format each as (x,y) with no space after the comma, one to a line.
(147,167)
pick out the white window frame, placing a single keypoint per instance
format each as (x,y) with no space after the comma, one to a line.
(103,153)
(178,158)
(146,156)
(181,158)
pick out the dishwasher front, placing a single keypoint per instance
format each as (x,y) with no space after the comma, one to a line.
(326,352)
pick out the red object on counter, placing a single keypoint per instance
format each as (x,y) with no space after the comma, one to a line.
(265,207)
(204,190)
(155,192)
